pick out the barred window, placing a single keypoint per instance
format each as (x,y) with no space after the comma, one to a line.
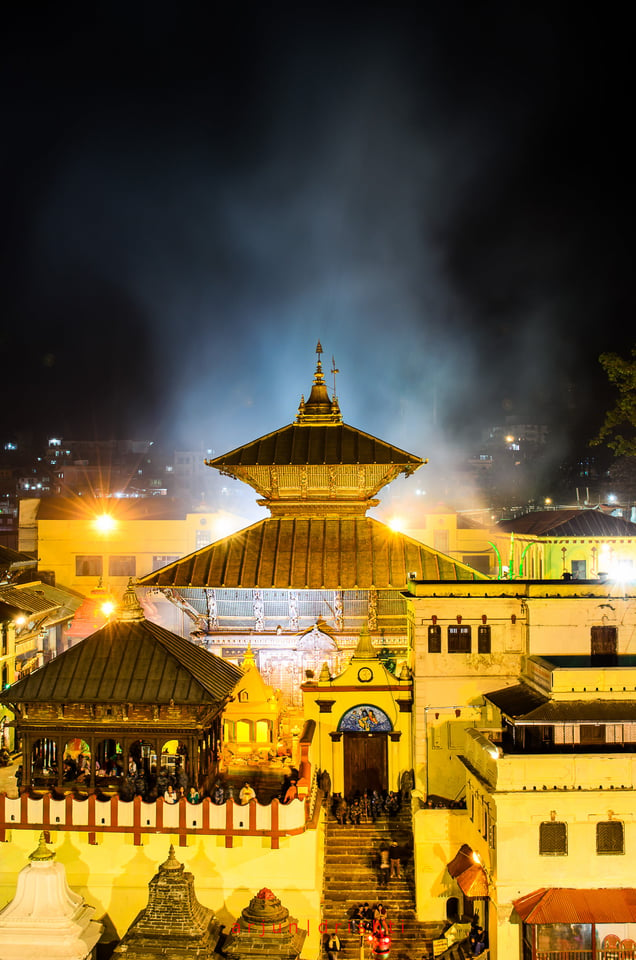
(610,837)
(553,839)
(434,639)
(483,640)
(459,639)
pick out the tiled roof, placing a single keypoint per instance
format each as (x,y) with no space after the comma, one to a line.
(569,523)
(574,905)
(311,553)
(129,661)
(314,444)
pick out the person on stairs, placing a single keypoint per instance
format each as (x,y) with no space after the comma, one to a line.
(383,879)
(334,946)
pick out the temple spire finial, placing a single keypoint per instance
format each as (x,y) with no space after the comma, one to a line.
(320,408)
(42,852)
(131,609)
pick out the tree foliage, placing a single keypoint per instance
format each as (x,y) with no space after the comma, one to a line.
(618,430)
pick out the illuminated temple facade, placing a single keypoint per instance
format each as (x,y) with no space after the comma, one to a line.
(302,583)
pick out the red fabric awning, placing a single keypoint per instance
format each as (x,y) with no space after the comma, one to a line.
(471,876)
(571,905)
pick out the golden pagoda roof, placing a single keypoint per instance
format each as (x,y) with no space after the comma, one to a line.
(318,436)
(300,444)
(311,552)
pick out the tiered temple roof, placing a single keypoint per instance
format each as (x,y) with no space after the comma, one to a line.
(317,477)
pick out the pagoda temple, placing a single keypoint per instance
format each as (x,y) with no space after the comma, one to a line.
(131,692)
(316,571)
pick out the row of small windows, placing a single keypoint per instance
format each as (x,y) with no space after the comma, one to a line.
(93,566)
(459,639)
(553,838)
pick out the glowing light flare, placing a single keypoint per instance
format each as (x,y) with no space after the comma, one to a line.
(396,524)
(104,523)
(224,525)
(622,570)
(108,608)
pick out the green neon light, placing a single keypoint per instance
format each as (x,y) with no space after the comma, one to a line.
(498,555)
(525,550)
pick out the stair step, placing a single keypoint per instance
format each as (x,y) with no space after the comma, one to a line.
(351,877)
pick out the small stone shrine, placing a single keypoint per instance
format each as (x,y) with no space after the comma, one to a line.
(174,925)
(46,918)
(264,929)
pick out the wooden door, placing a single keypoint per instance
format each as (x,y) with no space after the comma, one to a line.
(365,762)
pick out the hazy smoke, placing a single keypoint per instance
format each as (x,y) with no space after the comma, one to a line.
(427,193)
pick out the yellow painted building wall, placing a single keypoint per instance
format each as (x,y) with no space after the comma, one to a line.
(327,754)
(113,876)
(444,531)
(548,619)
(60,542)
(514,795)
(448,687)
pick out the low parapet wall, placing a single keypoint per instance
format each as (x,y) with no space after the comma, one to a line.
(97,817)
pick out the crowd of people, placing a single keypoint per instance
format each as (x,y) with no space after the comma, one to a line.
(370,919)
(366,806)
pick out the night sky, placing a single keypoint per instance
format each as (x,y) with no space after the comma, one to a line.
(193,196)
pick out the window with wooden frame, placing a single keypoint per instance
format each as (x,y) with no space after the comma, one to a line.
(459,639)
(434,639)
(483,639)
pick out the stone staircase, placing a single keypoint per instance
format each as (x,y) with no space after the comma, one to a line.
(351,876)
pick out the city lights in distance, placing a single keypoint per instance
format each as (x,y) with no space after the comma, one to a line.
(105,523)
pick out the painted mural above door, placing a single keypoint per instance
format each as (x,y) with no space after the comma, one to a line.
(365,718)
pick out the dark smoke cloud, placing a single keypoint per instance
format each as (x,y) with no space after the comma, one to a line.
(192,202)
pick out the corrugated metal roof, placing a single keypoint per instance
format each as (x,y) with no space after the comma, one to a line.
(9,556)
(311,553)
(573,905)
(318,444)
(30,601)
(469,874)
(517,700)
(569,523)
(129,661)
(521,703)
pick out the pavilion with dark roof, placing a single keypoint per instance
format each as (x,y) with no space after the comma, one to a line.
(127,690)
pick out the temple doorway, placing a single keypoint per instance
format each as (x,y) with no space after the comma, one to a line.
(365,762)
